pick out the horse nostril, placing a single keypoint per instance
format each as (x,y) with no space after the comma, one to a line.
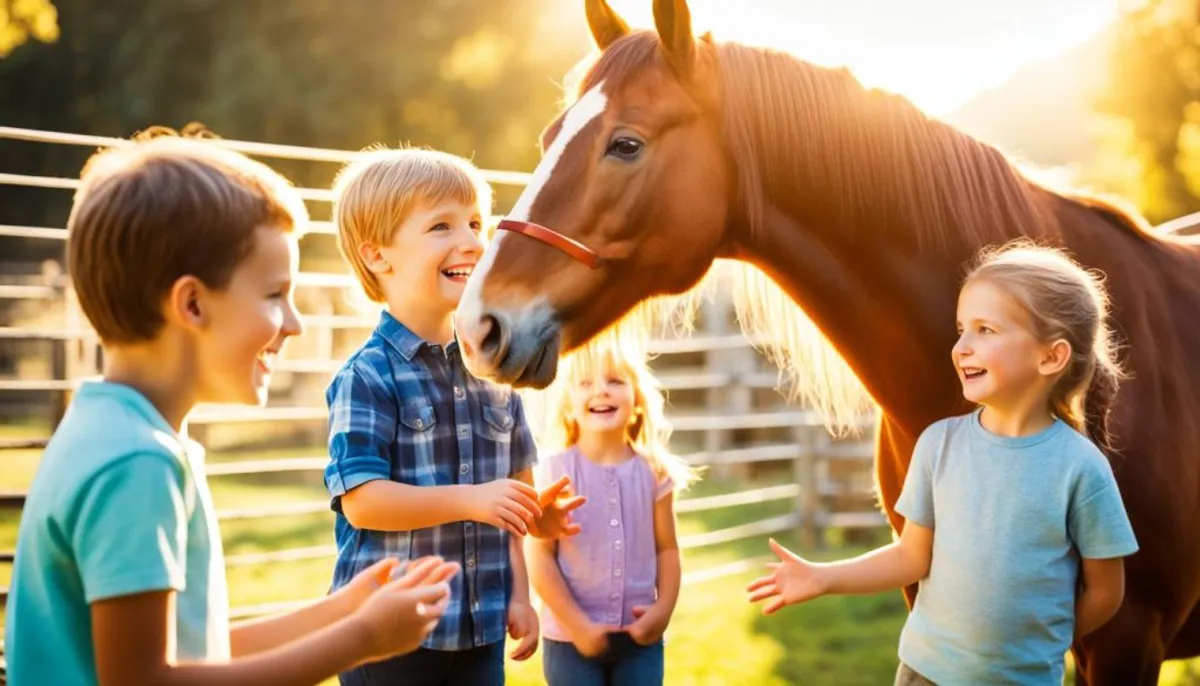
(494,342)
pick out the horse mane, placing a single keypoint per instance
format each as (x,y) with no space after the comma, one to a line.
(858,156)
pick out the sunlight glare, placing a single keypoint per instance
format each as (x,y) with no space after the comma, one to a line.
(938,53)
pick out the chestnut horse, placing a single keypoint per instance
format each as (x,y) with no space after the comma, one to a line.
(853,214)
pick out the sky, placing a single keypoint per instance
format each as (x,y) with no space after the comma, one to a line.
(938,53)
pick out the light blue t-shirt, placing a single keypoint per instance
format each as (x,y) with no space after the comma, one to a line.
(1011,518)
(119,506)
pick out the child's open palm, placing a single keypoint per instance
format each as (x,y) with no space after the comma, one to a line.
(793,580)
(557,503)
(402,612)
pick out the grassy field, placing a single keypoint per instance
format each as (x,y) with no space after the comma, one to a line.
(716,637)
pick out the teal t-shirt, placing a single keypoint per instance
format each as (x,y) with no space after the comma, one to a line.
(1011,518)
(119,506)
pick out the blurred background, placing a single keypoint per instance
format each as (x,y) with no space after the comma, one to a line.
(1101,94)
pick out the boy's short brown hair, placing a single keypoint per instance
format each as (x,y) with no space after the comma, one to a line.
(159,209)
(374,194)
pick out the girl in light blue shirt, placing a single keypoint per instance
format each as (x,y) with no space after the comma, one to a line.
(1007,508)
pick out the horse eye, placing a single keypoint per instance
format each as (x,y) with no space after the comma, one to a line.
(625,148)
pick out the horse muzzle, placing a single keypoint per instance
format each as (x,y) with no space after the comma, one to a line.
(521,352)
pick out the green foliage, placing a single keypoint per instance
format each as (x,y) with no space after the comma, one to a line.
(1152,95)
(474,77)
(21,20)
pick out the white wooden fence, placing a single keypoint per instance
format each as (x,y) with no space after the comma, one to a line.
(723,405)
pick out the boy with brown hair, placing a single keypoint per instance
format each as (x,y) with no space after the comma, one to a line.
(424,458)
(183,256)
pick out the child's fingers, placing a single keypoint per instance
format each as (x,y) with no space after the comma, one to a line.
(572,503)
(510,522)
(638,611)
(553,490)
(774,606)
(431,601)
(524,505)
(518,511)
(418,572)
(526,648)
(525,489)
(444,572)
(572,529)
(760,582)
(764,593)
(515,517)
(783,553)
(381,571)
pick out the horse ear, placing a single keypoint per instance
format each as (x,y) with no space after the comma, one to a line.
(673,20)
(606,25)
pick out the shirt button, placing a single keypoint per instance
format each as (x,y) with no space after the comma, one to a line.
(464,469)
(615,596)
(613,619)
(418,423)
(470,563)
(613,522)
(458,392)
(464,431)
(475,606)
(612,501)
(616,572)
(617,545)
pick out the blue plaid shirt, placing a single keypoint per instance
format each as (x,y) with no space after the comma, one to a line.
(404,409)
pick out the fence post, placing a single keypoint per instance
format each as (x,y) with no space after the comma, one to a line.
(67,353)
(806,473)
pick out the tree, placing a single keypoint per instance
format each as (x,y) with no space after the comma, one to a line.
(1153,97)
(21,20)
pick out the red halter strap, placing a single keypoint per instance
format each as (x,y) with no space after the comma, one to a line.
(554,239)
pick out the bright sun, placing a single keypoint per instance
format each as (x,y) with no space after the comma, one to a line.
(938,53)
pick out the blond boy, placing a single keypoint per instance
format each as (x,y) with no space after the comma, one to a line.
(424,458)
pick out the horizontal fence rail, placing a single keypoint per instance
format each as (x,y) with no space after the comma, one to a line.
(729,429)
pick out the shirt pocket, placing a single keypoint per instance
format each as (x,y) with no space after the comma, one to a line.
(417,439)
(495,434)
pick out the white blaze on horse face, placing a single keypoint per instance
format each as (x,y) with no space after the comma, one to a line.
(587,108)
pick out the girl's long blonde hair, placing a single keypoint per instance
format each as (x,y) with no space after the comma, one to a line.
(648,434)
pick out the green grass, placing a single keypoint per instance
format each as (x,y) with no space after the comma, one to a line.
(716,636)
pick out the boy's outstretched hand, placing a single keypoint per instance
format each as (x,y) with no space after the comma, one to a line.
(425,571)
(793,580)
(557,503)
(398,615)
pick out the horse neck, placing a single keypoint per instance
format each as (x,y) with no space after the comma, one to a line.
(864,211)
(889,313)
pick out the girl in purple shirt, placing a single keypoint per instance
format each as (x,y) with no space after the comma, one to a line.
(609,591)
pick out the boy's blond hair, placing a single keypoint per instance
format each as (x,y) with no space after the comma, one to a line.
(374,194)
(162,208)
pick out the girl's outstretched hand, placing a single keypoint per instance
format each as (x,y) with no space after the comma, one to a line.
(793,580)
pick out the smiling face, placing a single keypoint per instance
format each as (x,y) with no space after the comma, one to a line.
(425,266)
(602,402)
(998,357)
(635,171)
(247,322)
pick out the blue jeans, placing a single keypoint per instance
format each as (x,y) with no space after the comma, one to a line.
(483,666)
(625,664)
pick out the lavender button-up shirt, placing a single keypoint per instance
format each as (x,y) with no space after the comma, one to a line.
(612,565)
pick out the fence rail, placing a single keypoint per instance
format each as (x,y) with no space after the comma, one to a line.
(735,425)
